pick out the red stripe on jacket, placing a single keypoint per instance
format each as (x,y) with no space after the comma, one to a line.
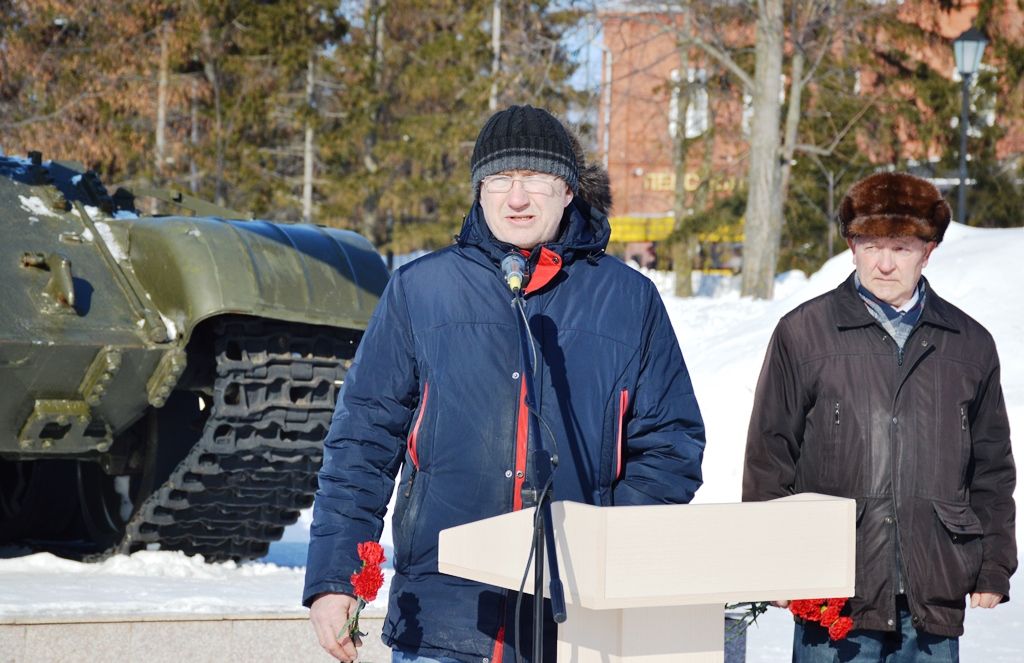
(522,431)
(499,644)
(620,437)
(416,428)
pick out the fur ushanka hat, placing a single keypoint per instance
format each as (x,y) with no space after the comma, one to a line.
(894,205)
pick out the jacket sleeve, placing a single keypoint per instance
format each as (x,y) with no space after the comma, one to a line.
(992,485)
(664,442)
(364,447)
(777,424)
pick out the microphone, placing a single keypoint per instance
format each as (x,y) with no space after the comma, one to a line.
(513,268)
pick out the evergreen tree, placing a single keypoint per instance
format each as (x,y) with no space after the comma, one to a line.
(360,114)
(75,79)
(415,80)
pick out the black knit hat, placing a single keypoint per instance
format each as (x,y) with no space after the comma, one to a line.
(524,138)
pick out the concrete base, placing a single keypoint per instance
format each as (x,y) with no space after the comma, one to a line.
(274,638)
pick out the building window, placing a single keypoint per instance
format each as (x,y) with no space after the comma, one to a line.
(697,111)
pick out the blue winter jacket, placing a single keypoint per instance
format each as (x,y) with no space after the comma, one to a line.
(435,392)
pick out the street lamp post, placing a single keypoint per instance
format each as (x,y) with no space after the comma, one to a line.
(967,50)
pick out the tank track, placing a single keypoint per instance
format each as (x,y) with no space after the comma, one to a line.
(255,464)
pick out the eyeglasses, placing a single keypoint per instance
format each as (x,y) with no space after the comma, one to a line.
(535,184)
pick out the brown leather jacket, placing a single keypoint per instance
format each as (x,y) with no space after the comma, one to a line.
(923,445)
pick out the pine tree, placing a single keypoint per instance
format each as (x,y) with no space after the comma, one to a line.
(415,77)
(358,114)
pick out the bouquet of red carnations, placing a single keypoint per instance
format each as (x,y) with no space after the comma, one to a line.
(366,582)
(824,612)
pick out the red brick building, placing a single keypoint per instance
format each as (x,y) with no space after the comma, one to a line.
(638,101)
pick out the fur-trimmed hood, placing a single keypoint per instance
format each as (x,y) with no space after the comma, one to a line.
(894,205)
(595,187)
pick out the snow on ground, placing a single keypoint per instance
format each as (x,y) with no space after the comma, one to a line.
(148,581)
(723,338)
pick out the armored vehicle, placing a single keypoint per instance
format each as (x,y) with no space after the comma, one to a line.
(165,381)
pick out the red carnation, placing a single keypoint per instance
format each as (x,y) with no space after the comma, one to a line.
(367,582)
(829,615)
(839,603)
(371,553)
(840,628)
(809,609)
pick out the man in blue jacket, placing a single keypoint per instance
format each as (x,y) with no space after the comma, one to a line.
(436,393)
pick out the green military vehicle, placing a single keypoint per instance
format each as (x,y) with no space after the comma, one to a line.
(165,382)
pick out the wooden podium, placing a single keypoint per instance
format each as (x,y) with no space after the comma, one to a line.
(648,584)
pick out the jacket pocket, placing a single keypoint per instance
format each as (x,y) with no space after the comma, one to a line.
(947,549)
(959,519)
(407,517)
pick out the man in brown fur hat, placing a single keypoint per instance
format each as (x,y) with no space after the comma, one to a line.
(884,392)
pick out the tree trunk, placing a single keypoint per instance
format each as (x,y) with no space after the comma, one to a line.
(160,137)
(682,265)
(702,195)
(213,76)
(307,148)
(830,236)
(796,87)
(193,167)
(764,204)
(160,151)
(492,102)
(371,201)
(682,260)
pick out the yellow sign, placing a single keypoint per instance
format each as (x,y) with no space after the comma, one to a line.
(658,228)
(640,228)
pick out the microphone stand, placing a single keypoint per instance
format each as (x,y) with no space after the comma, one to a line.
(543,532)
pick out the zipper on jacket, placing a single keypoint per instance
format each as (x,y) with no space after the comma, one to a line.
(900,581)
(965,453)
(835,418)
(412,479)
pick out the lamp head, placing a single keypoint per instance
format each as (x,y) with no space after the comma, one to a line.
(968,49)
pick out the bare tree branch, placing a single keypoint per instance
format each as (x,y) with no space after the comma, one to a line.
(724,59)
(53,115)
(827,151)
